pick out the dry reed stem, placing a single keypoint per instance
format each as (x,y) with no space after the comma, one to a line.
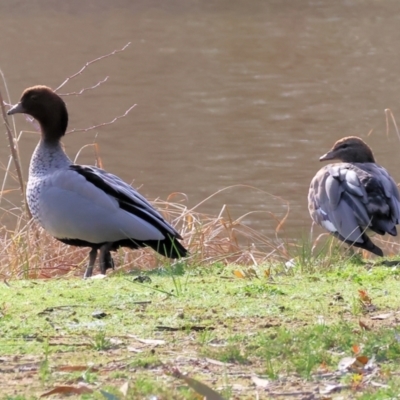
(34,254)
(13,143)
(388,112)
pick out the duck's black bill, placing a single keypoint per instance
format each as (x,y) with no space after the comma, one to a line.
(327,156)
(16,109)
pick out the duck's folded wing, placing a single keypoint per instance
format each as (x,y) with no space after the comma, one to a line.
(382,203)
(391,192)
(72,207)
(128,198)
(338,203)
(353,197)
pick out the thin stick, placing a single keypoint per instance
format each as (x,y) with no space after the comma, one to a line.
(14,130)
(85,89)
(388,111)
(15,156)
(104,123)
(89,63)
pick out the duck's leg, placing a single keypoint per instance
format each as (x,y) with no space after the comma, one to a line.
(92,260)
(106,260)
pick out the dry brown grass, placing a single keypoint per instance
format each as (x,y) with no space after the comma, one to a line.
(28,251)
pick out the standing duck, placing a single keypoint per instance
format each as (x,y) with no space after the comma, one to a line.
(83,205)
(355,195)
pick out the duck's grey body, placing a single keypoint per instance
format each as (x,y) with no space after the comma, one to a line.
(84,205)
(350,199)
(70,207)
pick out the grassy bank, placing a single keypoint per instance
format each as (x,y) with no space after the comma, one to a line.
(243,317)
(247,333)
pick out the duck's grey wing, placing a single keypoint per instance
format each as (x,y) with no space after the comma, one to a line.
(85,206)
(336,204)
(391,192)
(347,199)
(72,208)
(128,198)
(383,199)
(135,207)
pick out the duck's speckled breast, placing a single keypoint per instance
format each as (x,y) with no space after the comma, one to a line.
(45,161)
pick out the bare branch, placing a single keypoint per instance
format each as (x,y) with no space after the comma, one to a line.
(84,89)
(104,123)
(14,155)
(89,63)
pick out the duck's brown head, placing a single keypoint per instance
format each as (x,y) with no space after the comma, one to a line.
(350,149)
(47,108)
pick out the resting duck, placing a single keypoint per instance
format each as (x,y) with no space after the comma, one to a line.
(83,205)
(349,197)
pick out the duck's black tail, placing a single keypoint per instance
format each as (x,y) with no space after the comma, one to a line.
(366,244)
(169,247)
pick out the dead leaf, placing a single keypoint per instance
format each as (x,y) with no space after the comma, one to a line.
(331,389)
(364,296)
(68,390)
(124,388)
(323,367)
(356,348)
(345,363)
(380,385)
(153,342)
(291,263)
(361,361)
(239,274)
(134,349)
(216,362)
(73,368)
(259,382)
(382,316)
(197,386)
(116,341)
(363,325)
(355,364)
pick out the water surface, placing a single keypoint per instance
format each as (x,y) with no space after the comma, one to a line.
(227,92)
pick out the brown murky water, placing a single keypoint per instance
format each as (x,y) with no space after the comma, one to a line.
(227,92)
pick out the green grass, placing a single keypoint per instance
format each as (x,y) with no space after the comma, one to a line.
(290,328)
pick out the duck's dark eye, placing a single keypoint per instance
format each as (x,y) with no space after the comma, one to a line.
(34,97)
(344,146)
